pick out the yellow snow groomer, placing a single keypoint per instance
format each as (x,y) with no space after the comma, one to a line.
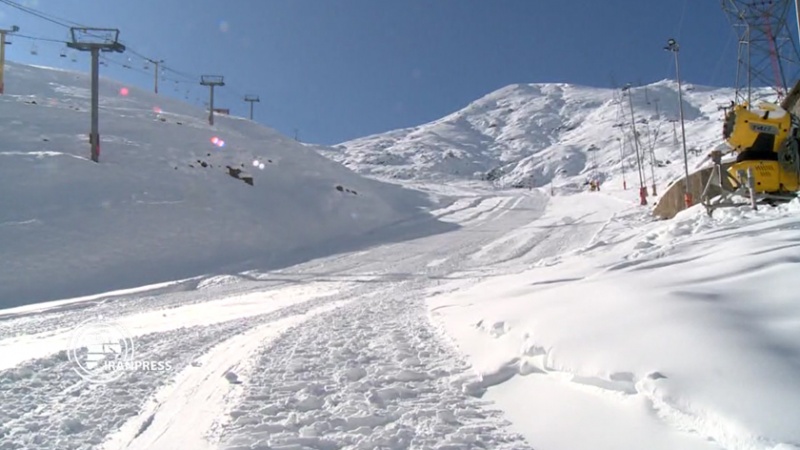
(765,138)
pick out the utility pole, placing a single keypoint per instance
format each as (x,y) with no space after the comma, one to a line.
(653,141)
(622,160)
(674,131)
(252,99)
(642,187)
(211,81)
(672,46)
(3,33)
(155,78)
(797,12)
(296,135)
(92,40)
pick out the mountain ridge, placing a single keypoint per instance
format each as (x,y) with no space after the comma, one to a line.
(535,134)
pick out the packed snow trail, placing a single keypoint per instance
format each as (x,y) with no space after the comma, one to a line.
(190,401)
(373,372)
(369,375)
(47,405)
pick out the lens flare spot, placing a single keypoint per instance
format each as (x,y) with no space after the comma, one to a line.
(215,140)
(224,26)
(157,110)
(256,163)
(261,166)
(221,143)
(123,92)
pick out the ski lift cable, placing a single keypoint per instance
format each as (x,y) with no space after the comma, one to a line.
(35,38)
(680,22)
(193,78)
(722,56)
(41,15)
(66,23)
(109,60)
(141,71)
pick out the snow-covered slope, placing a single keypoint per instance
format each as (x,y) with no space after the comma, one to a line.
(659,335)
(536,321)
(531,134)
(150,211)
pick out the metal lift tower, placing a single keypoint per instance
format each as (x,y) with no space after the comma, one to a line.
(768,53)
(95,40)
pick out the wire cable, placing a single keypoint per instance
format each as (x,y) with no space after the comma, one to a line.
(41,15)
(188,79)
(35,38)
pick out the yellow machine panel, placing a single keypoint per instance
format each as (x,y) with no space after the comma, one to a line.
(769,177)
(765,139)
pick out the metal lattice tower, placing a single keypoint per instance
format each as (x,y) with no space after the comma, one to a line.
(95,40)
(768,54)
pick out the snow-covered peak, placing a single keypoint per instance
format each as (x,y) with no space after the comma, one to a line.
(531,134)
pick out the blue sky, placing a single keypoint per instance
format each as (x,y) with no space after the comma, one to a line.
(341,69)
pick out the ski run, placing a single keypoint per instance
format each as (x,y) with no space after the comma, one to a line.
(419,309)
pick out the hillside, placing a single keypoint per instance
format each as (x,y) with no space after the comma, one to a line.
(502,319)
(532,134)
(150,211)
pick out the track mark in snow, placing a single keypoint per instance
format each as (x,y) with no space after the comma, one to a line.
(47,405)
(476,212)
(556,281)
(182,413)
(457,206)
(372,374)
(437,262)
(21,222)
(161,318)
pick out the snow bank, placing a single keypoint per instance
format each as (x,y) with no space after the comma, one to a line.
(688,326)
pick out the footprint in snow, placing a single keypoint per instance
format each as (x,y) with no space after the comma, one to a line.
(232,378)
